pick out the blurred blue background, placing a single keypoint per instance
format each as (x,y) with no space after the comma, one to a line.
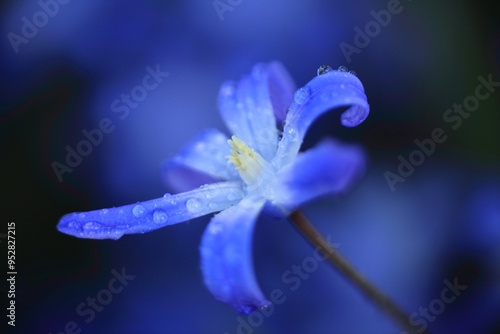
(442,223)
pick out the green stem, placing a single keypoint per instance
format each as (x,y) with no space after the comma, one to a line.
(342,264)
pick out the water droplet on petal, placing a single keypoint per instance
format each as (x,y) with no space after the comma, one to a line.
(302,95)
(91,227)
(160,216)
(167,196)
(343,69)
(265,308)
(233,196)
(215,227)
(324,69)
(353,73)
(194,205)
(82,215)
(227,89)
(138,211)
(201,146)
(73,224)
(105,211)
(293,135)
(212,205)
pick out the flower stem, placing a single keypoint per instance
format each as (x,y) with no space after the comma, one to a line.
(341,263)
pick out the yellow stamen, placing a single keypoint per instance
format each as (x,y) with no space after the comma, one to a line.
(248,162)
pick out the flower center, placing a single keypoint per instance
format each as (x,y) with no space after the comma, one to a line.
(248,162)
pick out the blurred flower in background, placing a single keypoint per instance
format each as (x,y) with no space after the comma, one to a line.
(440,223)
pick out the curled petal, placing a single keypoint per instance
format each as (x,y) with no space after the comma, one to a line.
(329,168)
(249,106)
(325,92)
(203,160)
(226,257)
(153,214)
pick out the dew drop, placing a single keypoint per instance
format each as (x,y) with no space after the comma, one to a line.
(82,215)
(212,205)
(194,205)
(343,69)
(215,227)
(324,69)
(160,216)
(167,196)
(227,89)
(353,73)
(302,95)
(233,197)
(201,146)
(139,211)
(293,135)
(92,227)
(73,224)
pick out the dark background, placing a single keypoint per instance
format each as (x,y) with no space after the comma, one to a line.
(442,223)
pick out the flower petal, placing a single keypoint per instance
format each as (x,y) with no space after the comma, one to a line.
(151,215)
(248,106)
(226,257)
(203,160)
(281,89)
(325,92)
(329,168)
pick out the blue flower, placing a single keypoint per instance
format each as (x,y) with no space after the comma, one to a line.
(258,170)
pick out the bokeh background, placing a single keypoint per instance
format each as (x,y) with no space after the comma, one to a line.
(442,223)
